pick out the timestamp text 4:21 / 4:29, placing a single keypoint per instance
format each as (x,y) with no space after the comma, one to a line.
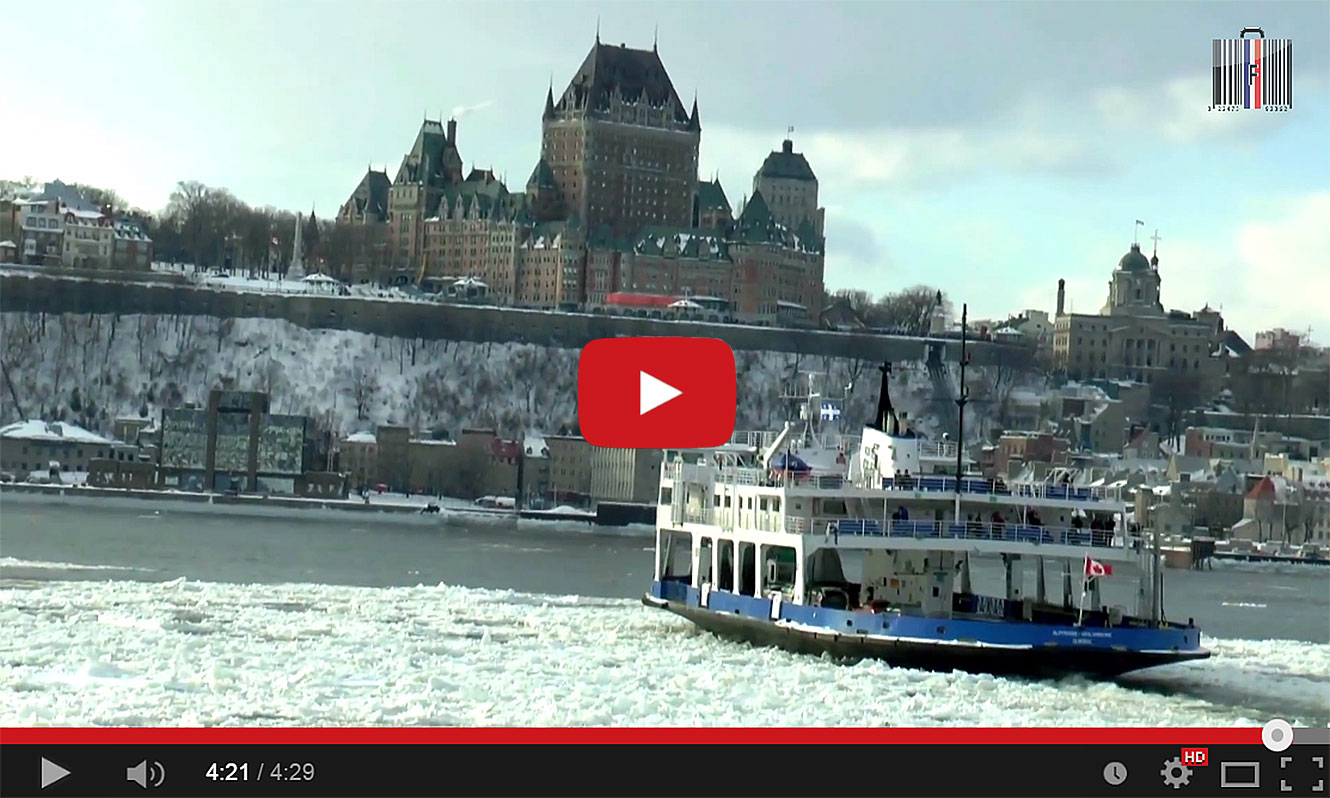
(261,771)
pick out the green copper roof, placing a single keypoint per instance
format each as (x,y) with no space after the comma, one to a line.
(1134,261)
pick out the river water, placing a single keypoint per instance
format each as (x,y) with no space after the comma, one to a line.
(459,619)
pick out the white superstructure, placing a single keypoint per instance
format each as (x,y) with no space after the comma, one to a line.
(808,513)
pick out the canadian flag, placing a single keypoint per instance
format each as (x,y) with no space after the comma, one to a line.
(1096,568)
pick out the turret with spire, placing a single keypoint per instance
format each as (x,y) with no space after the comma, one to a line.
(694,121)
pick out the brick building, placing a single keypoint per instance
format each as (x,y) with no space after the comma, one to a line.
(28,446)
(59,227)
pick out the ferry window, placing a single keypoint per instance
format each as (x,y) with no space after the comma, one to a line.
(715,500)
(666,495)
(833,507)
(762,503)
(727,501)
(750,502)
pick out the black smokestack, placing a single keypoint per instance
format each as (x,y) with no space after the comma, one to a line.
(1062,295)
(886,420)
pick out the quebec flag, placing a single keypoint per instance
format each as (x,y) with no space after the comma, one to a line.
(830,411)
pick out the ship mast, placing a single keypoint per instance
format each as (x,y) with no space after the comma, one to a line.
(962,398)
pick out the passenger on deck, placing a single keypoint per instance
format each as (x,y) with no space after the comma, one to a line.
(1078,522)
(1099,532)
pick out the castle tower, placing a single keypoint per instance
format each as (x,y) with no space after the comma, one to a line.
(620,145)
(432,165)
(790,188)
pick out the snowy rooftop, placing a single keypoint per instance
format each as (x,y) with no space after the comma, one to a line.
(38,430)
(1026,397)
(361,437)
(534,444)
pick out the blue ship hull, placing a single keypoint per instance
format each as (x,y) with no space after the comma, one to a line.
(1004,647)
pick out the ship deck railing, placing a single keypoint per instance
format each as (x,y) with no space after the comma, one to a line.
(982,486)
(829,480)
(1000,532)
(761,439)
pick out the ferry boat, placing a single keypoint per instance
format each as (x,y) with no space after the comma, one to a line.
(862,546)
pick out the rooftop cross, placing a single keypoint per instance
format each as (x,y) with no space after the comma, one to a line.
(1155,238)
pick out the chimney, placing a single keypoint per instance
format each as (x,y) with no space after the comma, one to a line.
(1062,295)
(787,146)
(452,132)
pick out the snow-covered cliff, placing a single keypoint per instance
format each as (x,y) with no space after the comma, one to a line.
(92,368)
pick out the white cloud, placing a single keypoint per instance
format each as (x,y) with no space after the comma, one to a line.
(1179,112)
(895,157)
(1272,272)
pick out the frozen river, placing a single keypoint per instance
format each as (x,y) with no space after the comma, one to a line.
(147,614)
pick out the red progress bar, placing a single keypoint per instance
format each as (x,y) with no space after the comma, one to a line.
(231,735)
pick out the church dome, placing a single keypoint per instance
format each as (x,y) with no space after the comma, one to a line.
(1134,261)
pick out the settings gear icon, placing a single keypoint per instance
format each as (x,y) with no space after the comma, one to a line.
(1175,773)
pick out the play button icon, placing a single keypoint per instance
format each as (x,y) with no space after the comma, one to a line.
(51,773)
(652,393)
(686,390)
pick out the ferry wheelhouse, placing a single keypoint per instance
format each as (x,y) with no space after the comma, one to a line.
(869,547)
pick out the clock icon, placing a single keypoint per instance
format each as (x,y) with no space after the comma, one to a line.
(1115,773)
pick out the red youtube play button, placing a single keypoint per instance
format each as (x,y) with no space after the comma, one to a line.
(656,393)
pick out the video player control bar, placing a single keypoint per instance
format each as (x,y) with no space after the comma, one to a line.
(591,770)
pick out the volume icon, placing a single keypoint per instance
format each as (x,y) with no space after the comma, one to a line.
(145,773)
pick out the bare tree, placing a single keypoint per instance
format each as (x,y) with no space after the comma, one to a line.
(910,310)
(364,387)
(103,199)
(1175,393)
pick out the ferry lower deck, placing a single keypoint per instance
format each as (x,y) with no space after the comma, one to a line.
(910,600)
(997,646)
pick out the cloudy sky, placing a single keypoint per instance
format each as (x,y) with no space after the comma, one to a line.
(986,148)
